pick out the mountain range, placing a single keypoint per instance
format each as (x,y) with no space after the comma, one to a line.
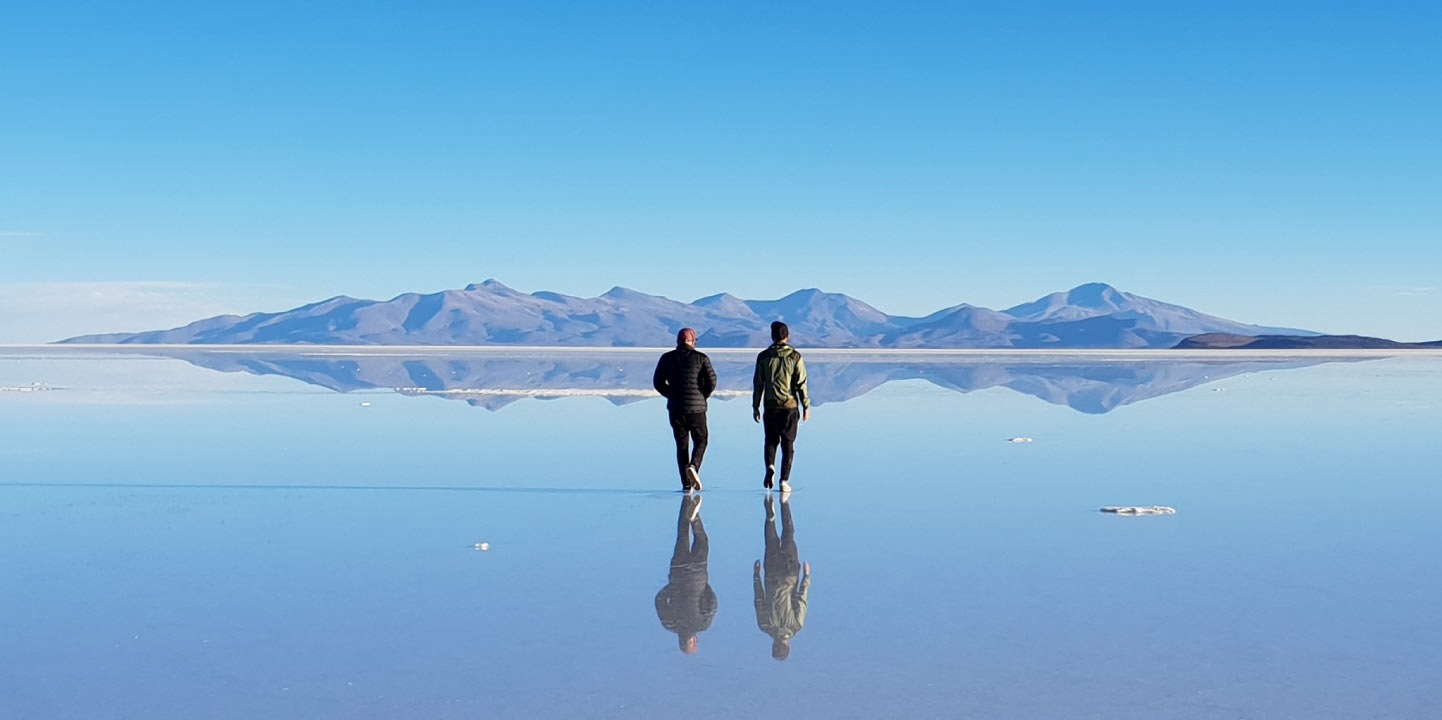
(1221,341)
(1094,315)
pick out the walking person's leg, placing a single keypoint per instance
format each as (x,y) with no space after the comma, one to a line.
(787,431)
(773,440)
(788,540)
(681,553)
(694,425)
(683,451)
(775,564)
(700,544)
(700,434)
(772,540)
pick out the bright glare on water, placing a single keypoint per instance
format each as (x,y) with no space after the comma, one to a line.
(287,536)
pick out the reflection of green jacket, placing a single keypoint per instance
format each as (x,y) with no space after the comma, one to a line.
(781,612)
(780,379)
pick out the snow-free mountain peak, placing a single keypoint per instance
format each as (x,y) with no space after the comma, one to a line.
(724,303)
(491,284)
(1082,301)
(621,293)
(489,313)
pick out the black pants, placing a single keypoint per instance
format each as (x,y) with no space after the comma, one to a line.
(692,427)
(781,430)
(692,545)
(782,558)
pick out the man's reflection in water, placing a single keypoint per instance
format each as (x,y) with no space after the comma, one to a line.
(781,599)
(687,604)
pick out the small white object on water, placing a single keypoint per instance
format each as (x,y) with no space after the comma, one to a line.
(1019,439)
(32,387)
(365,404)
(1139,510)
(1219,389)
(483,546)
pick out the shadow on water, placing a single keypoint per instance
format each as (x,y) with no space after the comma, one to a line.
(495,380)
(687,605)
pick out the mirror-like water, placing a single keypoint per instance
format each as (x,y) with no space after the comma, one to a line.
(178,542)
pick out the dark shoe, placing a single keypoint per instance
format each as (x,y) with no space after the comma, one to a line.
(770,476)
(694,477)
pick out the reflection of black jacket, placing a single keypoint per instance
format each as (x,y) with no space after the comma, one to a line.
(685,378)
(687,604)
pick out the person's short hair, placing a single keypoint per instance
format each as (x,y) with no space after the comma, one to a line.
(779,331)
(780,650)
(687,335)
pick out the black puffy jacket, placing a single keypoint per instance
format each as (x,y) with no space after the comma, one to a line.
(685,378)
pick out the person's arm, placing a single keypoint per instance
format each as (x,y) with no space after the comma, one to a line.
(756,390)
(762,621)
(709,604)
(798,384)
(658,379)
(802,588)
(708,377)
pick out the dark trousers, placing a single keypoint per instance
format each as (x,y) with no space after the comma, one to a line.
(689,427)
(782,558)
(781,431)
(692,545)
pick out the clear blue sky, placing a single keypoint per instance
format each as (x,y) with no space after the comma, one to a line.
(1269,162)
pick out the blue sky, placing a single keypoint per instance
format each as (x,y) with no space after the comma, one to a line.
(1270,162)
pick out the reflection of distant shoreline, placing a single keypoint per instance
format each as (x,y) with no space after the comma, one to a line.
(855,354)
(493,378)
(557,393)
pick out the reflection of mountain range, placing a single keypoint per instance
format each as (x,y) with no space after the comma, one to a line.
(497,378)
(489,313)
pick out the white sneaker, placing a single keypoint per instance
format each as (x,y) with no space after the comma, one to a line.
(785,486)
(696,508)
(695,478)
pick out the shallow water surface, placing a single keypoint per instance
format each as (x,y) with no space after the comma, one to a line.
(287,536)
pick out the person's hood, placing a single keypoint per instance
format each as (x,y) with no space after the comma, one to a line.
(781,350)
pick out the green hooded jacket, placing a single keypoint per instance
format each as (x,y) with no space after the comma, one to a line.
(781,610)
(780,379)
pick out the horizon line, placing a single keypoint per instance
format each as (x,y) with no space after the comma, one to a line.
(413,350)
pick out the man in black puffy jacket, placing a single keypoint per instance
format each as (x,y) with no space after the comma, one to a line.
(687,604)
(685,378)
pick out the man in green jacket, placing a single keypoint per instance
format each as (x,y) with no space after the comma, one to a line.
(781,598)
(780,382)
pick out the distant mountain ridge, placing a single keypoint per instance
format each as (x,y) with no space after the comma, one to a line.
(1094,315)
(1223,341)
